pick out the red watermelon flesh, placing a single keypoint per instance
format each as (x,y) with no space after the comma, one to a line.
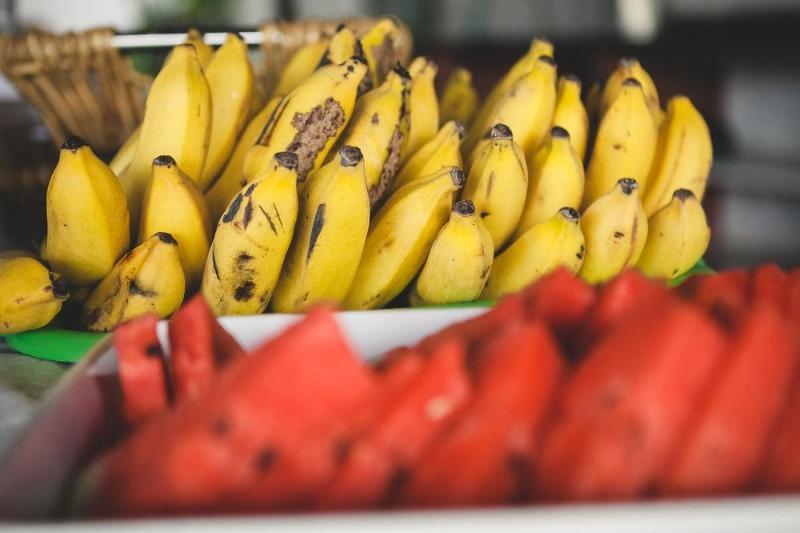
(725,295)
(560,299)
(781,468)
(771,283)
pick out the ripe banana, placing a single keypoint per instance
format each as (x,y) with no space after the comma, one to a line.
(459,262)
(148,279)
(308,120)
(625,144)
(203,50)
(497,184)
(87,216)
(443,151)
(423,105)
(251,241)
(554,243)
(630,68)
(615,228)
(173,204)
(400,237)
(459,98)
(678,236)
(230,80)
(555,180)
(342,46)
(683,156)
(380,46)
(119,163)
(571,114)
(299,67)
(177,121)
(30,295)
(330,235)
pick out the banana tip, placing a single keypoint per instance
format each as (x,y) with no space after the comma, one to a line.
(164,161)
(570,214)
(73,143)
(548,60)
(559,133)
(500,131)
(350,155)
(464,208)
(628,185)
(683,194)
(60,286)
(459,179)
(287,160)
(632,82)
(165,237)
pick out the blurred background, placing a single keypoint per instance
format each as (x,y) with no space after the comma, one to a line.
(736,59)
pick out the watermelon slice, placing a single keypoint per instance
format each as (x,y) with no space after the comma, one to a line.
(781,468)
(561,299)
(725,295)
(770,282)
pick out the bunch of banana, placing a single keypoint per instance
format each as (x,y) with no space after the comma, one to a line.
(423,104)
(30,295)
(459,100)
(570,113)
(443,151)
(459,262)
(251,241)
(331,230)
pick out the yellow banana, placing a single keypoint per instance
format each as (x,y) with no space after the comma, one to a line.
(203,50)
(683,156)
(30,295)
(678,236)
(459,262)
(251,241)
(630,68)
(400,237)
(443,151)
(300,66)
(497,184)
(173,204)
(380,46)
(230,80)
(557,242)
(177,121)
(330,235)
(423,105)
(459,98)
(615,228)
(342,46)
(571,114)
(308,120)
(87,216)
(119,163)
(148,279)
(555,180)
(624,146)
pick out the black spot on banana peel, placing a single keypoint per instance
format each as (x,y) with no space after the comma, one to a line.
(628,185)
(683,194)
(214,263)
(632,82)
(464,208)
(558,132)
(250,189)
(248,214)
(59,286)
(136,290)
(243,258)
(269,220)
(581,252)
(458,177)
(244,291)
(313,131)
(73,143)
(166,238)
(499,131)
(461,129)
(316,229)
(570,214)
(278,215)
(401,71)
(287,160)
(350,156)
(230,214)
(164,161)
(547,59)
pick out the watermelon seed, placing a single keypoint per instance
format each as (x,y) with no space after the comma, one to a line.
(397,483)
(220,426)
(153,350)
(341,450)
(265,459)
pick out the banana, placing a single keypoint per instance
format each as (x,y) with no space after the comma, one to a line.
(571,114)
(177,121)
(624,146)
(148,279)
(30,295)
(87,216)
(330,235)
(309,120)
(173,204)
(555,180)
(631,68)
(678,236)
(119,163)
(423,105)
(400,237)
(251,241)
(497,184)
(203,50)
(683,155)
(380,46)
(554,243)
(459,98)
(615,228)
(300,66)
(230,80)
(342,46)
(443,151)
(459,262)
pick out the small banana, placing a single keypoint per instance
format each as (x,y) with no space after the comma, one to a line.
(555,180)
(342,46)
(443,151)
(554,243)
(381,50)
(87,216)
(678,236)
(625,144)
(497,183)
(173,204)
(30,295)
(459,98)
(331,231)
(251,241)
(203,50)
(683,156)
(423,105)
(148,279)
(300,66)
(400,237)
(615,228)
(119,163)
(459,262)
(571,114)
(628,68)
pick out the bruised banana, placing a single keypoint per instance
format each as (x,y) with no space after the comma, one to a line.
(571,114)
(625,144)
(459,262)
(678,236)
(683,156)
(309,120)
(459,98)
(300,66)
(555,180)
(554,243)
(497,184)
(423,105)
(443,151)
(615,228)
(87,216)
(173,204)
(380,45)
(30,295)
(400,237)
(331,230)
(631,68)
(251,241)
(148,279)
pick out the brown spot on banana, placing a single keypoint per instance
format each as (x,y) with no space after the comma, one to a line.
(214,264)
(313,131)
(316,229)
(390,167)
(278,215)
(135,289)
(269,220)
(244,291)
(233,209)
(248,214)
